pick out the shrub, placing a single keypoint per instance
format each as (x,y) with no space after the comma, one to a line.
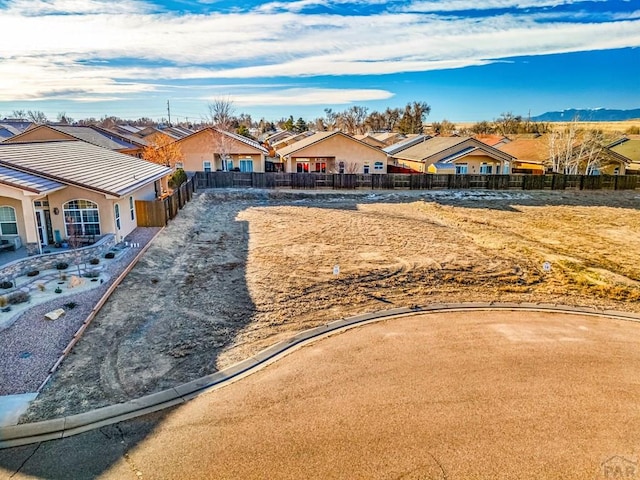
(3,302)
(18,297)
(33,273)
(94,261)
(70,305)
(178,178)
(110,255)
(62,265)
(58,290)
(41,287)
(6,284)
(91,274)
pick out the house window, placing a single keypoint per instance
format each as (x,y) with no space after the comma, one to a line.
(246,165)
(206,166)
(321,167)
(117,212)
(486,169)
(132,208)
(8,224)
(616,171)
(461,169)
(302,167)
(229,165)
(81,217)
(341,167)
(179,165)
(378,166)
(366,168)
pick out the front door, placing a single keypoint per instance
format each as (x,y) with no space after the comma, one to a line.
(42,227)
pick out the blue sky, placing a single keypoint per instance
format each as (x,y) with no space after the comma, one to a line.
(469,60)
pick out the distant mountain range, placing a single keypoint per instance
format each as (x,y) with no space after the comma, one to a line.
(589,115)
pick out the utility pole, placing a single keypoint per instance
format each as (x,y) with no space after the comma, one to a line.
(169,112)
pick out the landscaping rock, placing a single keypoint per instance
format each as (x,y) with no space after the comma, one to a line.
(75,281)
(55,314)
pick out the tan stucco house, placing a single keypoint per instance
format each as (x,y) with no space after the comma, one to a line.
(627,150)
(50,191)
(213,149)
(332,152)
(461,155)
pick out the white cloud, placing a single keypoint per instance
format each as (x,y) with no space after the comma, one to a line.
(34,8)
(459,5)
(309,96)
(80,53)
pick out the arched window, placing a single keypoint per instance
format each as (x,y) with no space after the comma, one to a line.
(81,218)
(8,224)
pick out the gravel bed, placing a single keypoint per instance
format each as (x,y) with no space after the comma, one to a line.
(32,345)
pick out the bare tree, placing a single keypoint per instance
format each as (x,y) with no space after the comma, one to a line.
(19,114)
(221,118)
(443,128)
(36,116)
(222,114)
(64,118)
(74,241)
(575,152)
(507,123)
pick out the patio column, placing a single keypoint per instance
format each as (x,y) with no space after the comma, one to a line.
(32,242)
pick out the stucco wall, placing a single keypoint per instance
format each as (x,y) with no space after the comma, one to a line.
(344,149)
(40,135)
(474,161)
(17,205)
(204,147)
(59,198)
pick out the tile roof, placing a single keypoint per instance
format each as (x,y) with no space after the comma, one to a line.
(492,140)
(451,147)
(278,136)
(95,137)
(404,144)
(240,138)
(27,181)
(529,149)
(127,137)
(429,147)
(627,147)
(243,139)
(310,140)
(82,164)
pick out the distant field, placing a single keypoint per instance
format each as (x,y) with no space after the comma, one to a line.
(606,127)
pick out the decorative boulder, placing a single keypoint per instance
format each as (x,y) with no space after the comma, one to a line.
(75,281)
(55,314)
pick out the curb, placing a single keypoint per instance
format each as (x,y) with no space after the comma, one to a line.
(24,434)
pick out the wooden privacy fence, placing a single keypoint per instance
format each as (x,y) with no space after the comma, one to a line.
(157,213)
(414,181)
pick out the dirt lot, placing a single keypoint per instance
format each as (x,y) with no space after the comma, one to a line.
(238,271)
